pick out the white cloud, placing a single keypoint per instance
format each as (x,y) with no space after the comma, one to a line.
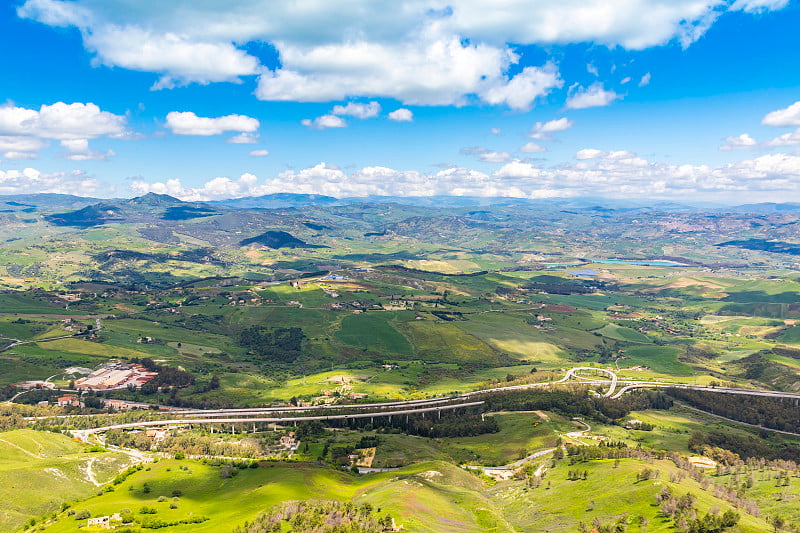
(589,153)
(486,155)
(531,148)
(739,142)
(259,153)
(544,130)
(522,90)
(22,130)
(362,111)
(495,157)
(17,148)
(615,174)
(401,115)
(593,96)
(91,155)
(182,58)
(187,123)
(430,71)
(645,80)
(758,6)
(626,79)
(31,181)
(592,69)
(620,154)
(19,156)
(789,116)
(78,150)
(495,131)
(76,145)
(61,121)
(324,122)
(417,51)
(787,139)
(244,138)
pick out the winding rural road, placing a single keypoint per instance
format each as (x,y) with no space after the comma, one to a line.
(399,408)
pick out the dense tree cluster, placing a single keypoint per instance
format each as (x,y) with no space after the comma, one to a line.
(466,422)
(744,446)
(775,413)
(280,344)
(168,376)
(571,402)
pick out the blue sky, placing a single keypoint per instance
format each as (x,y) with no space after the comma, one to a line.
(687,100)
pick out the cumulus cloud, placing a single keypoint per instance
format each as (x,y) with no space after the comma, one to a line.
(593,96)
(739,142)
(645,80)
(545,130)
(417,51)
(619,173)
(522,90)
(78,150)
(495,157)
(401,115)
(352,109)
(61,121)
(19,147)
(180,57)
(589,153)
(362,111)
(259,153)
(187,123)
(531,148)
(789,116)
(787,139)
(22,130)
(324,122)
(438,71)
(31,181)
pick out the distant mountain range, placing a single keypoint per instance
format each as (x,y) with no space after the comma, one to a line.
(176,209)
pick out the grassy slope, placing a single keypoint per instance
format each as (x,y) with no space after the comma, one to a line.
(427,497)
(564,503)
(40,471)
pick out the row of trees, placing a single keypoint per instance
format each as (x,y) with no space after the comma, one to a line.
(775,413)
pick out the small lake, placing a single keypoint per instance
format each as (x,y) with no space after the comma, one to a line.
(586,273)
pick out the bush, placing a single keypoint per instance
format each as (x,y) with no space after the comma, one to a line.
(83,515)
(162,498)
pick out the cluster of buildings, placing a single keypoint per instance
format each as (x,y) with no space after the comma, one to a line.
(116,376)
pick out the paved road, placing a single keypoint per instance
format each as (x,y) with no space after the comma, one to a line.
(274,420)
(442,402)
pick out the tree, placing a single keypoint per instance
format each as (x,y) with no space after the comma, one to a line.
(777,522)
